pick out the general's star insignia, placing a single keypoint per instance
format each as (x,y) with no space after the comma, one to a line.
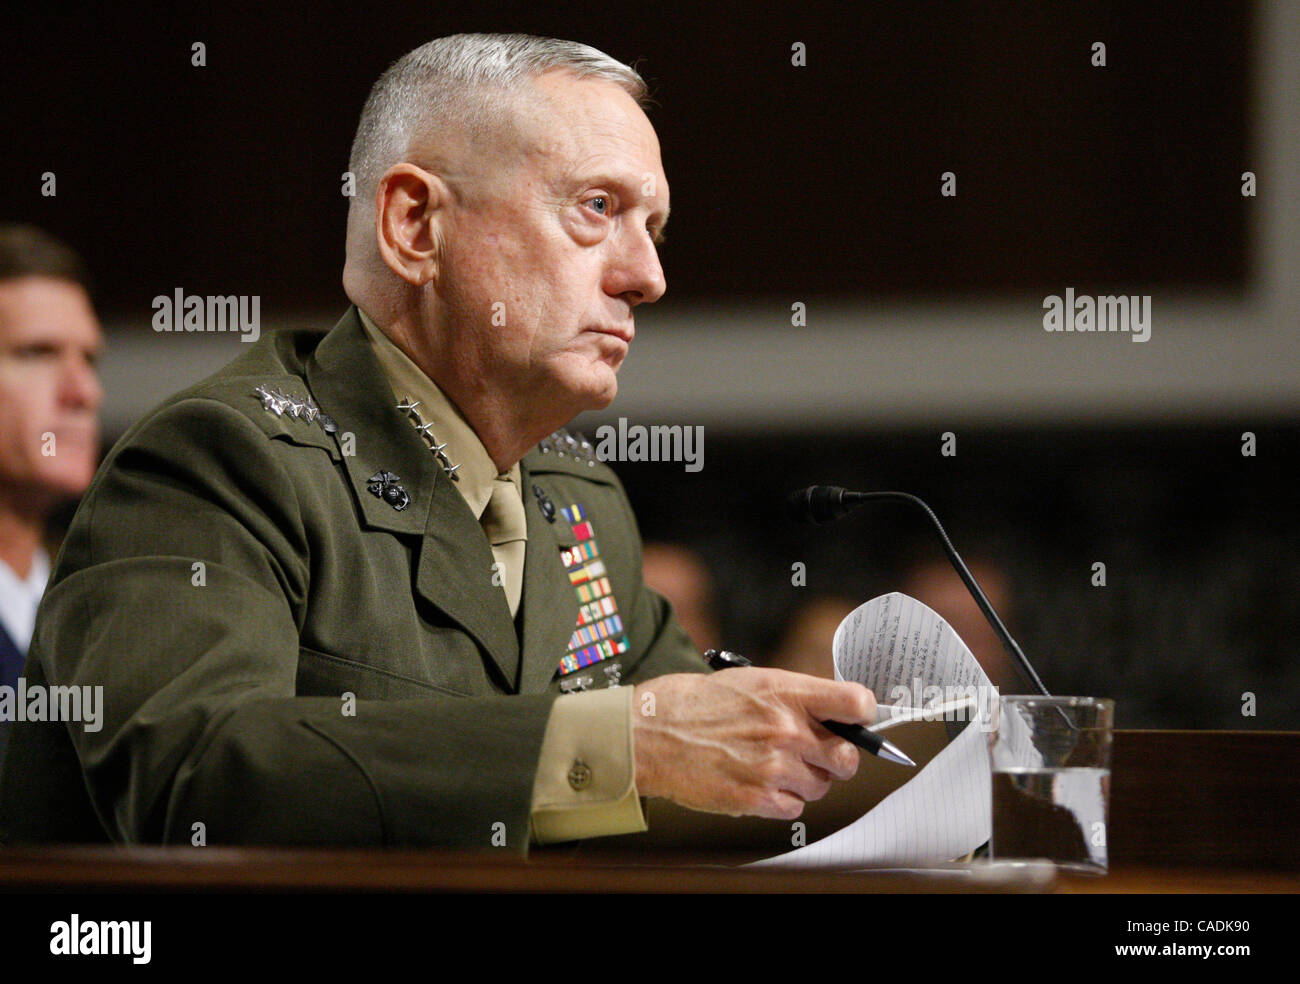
(299,408)
(411,409)
(562,443)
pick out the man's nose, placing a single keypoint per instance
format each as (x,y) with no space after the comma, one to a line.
(636,272)
(79,385)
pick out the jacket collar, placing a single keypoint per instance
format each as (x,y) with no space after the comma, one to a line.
(454,559)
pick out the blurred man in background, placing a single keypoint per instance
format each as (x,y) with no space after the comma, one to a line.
(681,575)
(806,641)
(934,581)
(49,423)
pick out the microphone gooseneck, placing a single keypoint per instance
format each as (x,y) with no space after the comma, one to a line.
(821,504)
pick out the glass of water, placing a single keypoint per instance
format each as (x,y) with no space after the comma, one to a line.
(1050,760)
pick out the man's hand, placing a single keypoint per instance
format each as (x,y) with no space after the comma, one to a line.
(745,741)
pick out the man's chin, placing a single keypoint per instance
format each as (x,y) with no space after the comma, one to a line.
(605,398)
(597,390)
(68,483)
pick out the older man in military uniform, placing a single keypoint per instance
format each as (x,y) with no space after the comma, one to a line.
(356,588)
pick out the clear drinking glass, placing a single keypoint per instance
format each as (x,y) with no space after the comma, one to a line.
(1050,760)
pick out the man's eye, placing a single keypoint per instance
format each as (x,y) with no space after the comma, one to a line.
(35,351)
(599,204)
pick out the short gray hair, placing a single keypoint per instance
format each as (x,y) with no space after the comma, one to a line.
(453,80)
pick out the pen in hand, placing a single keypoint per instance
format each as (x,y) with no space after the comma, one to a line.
(721,659)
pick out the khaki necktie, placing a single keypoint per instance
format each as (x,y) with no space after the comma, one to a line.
(506,527)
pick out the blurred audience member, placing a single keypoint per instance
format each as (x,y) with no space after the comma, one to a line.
(935,583)
(681,575)
(49,419)
(805,644)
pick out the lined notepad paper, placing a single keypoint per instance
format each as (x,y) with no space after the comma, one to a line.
(911,658)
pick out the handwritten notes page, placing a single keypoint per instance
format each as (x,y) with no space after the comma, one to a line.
(902,650)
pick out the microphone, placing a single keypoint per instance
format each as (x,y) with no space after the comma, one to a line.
(821,504)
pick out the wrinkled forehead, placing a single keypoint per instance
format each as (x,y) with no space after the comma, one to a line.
(562,110)
(564,124)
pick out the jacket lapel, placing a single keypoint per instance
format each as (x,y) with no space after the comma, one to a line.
(455,573)
(549,604)
(454,560)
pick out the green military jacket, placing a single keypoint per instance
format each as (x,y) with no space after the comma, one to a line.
(233,572)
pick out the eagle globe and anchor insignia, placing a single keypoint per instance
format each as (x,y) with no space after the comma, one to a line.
(383,484)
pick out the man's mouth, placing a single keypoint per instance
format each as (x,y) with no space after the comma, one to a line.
(623,333)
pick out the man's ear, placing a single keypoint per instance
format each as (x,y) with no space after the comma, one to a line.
(409,204)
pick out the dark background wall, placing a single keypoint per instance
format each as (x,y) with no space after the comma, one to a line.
(819,180)
(819,184)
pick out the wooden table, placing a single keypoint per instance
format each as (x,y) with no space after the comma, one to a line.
(1190,812)
(183,869)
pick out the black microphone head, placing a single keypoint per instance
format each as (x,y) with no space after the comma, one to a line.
(817,504)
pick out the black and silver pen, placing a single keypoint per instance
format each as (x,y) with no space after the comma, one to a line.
(721,659)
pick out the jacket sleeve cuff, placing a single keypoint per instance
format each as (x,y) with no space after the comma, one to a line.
(586,774)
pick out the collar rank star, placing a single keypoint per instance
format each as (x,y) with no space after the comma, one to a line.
(563,444)
(599,634)
(410,408)
(299,408)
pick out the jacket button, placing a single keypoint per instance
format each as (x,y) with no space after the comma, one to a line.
(579,775)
